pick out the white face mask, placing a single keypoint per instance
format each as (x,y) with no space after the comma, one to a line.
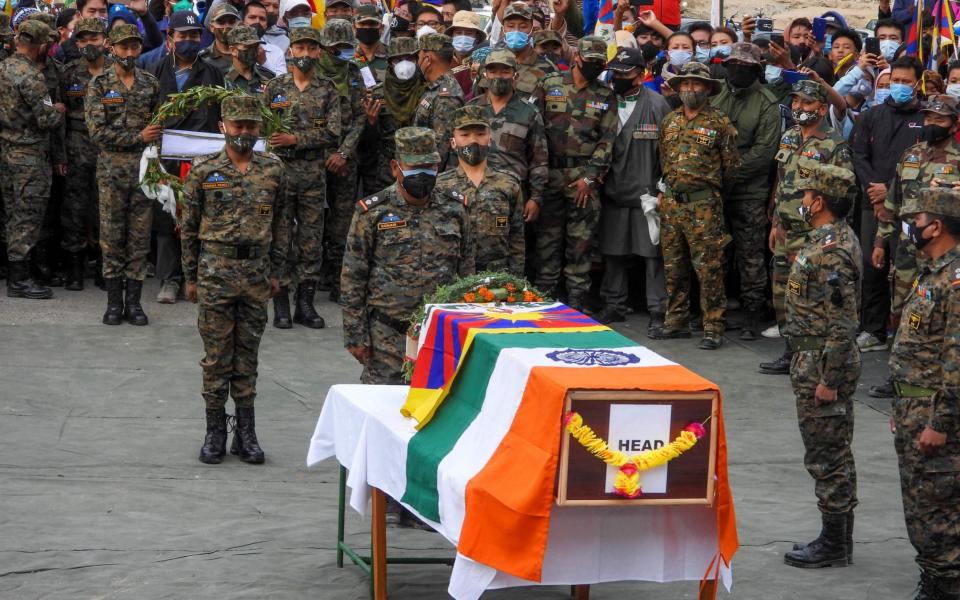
(954,90)
(404,69)
(425,30)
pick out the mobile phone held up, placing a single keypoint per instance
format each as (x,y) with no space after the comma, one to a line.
(819,29)
(764,25)
(872,46)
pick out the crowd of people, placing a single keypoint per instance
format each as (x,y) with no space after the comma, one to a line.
(807,175)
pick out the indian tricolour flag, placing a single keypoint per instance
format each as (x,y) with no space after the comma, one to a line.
(483,470)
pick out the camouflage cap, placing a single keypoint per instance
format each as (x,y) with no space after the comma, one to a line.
(416,146)
(501,57)
(745,52)
(829,180)
(241,107)
(943,201)
(518,9)
(368,12)
(543,36)
(224,9)
(467,116)
(592,47)
(335,2)
(808,89)
(34,31)
(695,71)
(402,46)
(241,35)
(50,21)
(436,42)
(89,25)
(304,34)
(126,31)
(337,32)
(941,104)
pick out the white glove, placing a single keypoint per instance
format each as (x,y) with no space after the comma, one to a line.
(649,204)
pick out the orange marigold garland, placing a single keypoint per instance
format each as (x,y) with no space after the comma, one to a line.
(627,481)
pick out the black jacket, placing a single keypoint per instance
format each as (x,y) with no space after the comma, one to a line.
(202,73)
(880,136)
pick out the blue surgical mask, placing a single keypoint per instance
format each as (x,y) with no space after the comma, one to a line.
(888,48)
(901,93)
(678,58)
(412,172)
(880,96)
(703,55)
(463,43)
(773,74)
(517,40)
(295,22)
(719,51)
(346,54)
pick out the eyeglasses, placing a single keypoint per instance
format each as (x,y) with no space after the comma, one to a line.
(433,23)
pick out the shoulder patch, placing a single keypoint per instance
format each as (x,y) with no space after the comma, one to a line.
(199,160)
(369,202)
(458,197)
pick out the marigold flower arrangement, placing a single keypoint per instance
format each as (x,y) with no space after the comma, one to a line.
(627,481)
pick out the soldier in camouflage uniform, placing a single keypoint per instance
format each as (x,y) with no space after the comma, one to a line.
(580,119)
(493,197)
(27,116)
(809,138)
(404,242)
(698,147)
(925,368)
(235,236)
(119,106)
(533,68)
(823,314)
(936,158)
(336,62)
(79,214)
(244,72)
(519,143)
(371,52)
(372,55)
(443,94)
(312,105)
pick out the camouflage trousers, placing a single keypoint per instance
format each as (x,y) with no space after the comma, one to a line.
(782,261)
(232,297)
(307,199)
(387,349)
(692,237)
(26,194)
(342,198)
(930,486)
(125,216)
(747,220)
(906,262)
(565,233)
(78,212)
(827,431)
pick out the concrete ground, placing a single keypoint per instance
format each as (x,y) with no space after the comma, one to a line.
(102,496)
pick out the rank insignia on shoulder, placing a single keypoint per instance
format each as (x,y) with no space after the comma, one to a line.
(914,320)
(444,92)
(215,181)
(366,203)
(459,197)
(502,222)
(829,242)
(264,210)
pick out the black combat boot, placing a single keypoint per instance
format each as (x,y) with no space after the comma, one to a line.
(305,314)
(849,539)
(748,327)
(74,281)
(215,442)
(245,443)
(281,309)
(781,366)
(655,325)
(20,285)
(828,550)
(132,311)
(43,267)
(926,588)
(114,313)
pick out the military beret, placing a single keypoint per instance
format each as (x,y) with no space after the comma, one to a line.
(941,104)
(829,180)
(368,12)
(304,34)
(416,146)
(34,31)
(125,32)
(336,32)
(808,89)
(89,25)
(468,116)
(436,42)
(592,48)
(518,9)
(241,35)
(501,57)
(943,201)
(241,107)
(402,46)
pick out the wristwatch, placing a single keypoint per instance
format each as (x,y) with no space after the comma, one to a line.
(589,181)
(343,155)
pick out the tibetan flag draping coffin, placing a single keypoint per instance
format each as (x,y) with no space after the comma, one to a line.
(448,332)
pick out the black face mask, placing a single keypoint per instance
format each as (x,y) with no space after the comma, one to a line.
(933,134)
(622,86)
(741,76)
(399,24)
(127,63)
(248,56)
(472,154)
(499,86)
(649,51)
(420,185)
(591,70)
(304,63)
(368,36)
(916,235)
(91,52)
(260,29)
(272,20)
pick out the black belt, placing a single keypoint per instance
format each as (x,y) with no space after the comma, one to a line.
(123,149)
(568,162)
(694,196)
(301,155)
(395,324)
(238,251)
